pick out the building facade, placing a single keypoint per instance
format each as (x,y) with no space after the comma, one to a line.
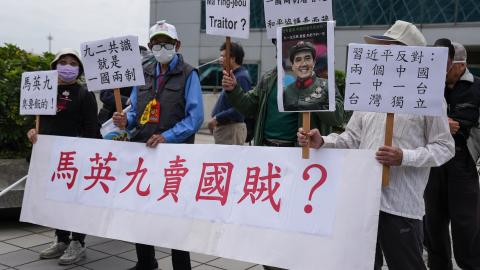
(458,20)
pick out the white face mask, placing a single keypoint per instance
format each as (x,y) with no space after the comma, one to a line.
(163,55)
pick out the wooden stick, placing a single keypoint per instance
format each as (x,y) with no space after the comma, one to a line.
(226,60)
(37,123)
(388,142)
(306,128)
(118,100)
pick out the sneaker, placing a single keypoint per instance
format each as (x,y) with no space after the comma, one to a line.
(74,253)
(55,250)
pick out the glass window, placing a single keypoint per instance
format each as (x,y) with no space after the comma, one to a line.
(211,76)
(373,12)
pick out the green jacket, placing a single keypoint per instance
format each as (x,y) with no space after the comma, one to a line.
(254,104)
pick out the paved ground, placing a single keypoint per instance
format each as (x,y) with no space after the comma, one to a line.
(20,244)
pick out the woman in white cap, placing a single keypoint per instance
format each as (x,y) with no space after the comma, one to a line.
(76,117)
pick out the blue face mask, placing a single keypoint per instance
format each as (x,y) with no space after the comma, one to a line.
(67,73)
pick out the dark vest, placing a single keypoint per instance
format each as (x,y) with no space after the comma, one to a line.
(171,96)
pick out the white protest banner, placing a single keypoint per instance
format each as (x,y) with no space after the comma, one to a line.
(38,93)
(112,63)
(305,55)
(281,13)
(396,79)
(229,18)
(202,198)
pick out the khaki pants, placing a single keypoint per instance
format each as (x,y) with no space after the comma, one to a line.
(231,134)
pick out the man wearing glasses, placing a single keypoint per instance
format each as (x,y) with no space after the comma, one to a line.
(167,109)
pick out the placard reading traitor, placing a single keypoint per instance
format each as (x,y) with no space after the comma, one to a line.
(306,79)
(228,17)
(112,63)
(38,93)
(288,12)
(396,79)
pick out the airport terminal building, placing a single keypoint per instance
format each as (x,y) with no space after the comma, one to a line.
(458,20)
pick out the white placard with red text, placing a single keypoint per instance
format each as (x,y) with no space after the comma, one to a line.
(202,198)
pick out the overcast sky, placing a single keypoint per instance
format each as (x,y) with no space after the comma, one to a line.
(27,23)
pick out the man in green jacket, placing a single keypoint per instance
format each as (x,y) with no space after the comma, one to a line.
(274,128)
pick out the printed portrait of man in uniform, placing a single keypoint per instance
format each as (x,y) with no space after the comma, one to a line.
(303,77)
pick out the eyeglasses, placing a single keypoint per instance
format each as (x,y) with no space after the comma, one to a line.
(159,46)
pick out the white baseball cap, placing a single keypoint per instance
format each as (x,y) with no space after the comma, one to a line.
(460,53)
(163,28)
(403,32)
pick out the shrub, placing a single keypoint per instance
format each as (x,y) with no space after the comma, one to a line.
(13,127)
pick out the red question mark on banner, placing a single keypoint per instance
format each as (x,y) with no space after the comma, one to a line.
(306,176)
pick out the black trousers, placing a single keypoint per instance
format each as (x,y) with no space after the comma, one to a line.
(399,239)
(452,197)
(147,261)
(64,236)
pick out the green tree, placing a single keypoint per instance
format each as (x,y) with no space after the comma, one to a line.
(13,127)
(340,82)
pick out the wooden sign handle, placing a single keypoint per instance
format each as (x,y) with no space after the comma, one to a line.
(226,59)
(306,128)
(37,123)
(118,100)
(388,142)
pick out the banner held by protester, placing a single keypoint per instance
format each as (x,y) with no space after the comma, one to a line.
(308,207)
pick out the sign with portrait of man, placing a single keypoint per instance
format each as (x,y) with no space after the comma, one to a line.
(305,64)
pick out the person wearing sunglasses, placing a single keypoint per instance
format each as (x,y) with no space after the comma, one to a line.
(167,109)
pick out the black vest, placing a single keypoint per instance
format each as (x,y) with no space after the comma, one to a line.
(171,97)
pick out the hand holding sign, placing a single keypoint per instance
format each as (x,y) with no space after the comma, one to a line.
(395,79)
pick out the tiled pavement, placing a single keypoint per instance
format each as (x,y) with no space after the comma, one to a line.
(20,244)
